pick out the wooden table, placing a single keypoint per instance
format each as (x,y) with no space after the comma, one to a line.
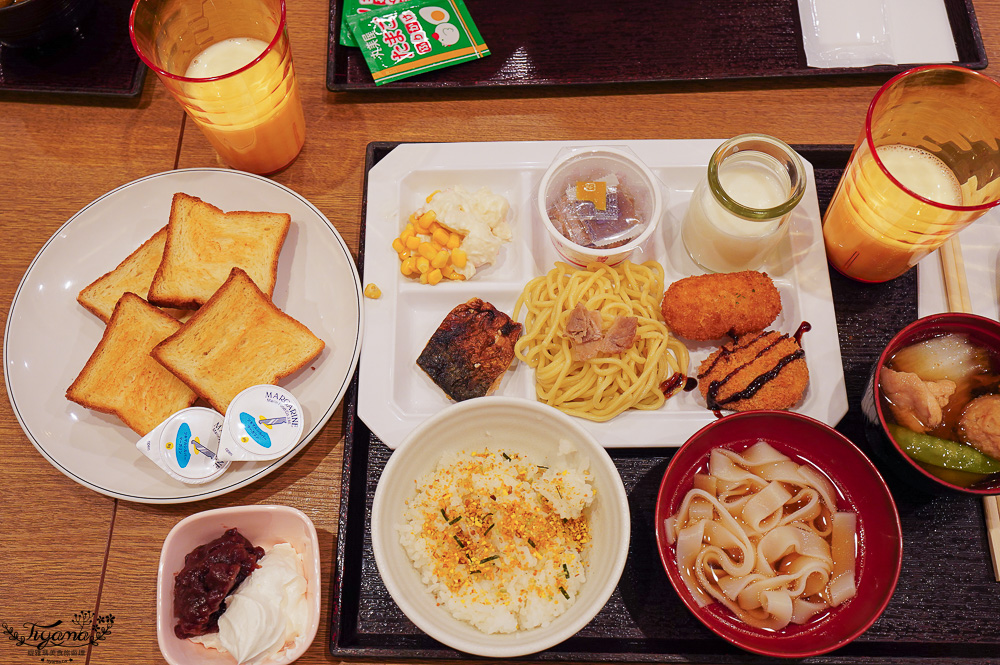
(65,549)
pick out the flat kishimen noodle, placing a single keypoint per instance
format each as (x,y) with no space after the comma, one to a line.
(762,535)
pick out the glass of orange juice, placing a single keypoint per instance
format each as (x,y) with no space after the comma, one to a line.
(229,64)
(926,165)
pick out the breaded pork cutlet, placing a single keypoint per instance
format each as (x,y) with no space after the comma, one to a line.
(761,370)
(471,349)
(709,306)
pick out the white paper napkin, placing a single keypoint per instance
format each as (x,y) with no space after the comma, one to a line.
(860,33)
(980,243)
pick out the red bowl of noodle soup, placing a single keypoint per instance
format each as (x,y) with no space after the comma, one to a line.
(763,558)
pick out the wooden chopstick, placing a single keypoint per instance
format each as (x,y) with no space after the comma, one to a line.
(956,284)
(956,287)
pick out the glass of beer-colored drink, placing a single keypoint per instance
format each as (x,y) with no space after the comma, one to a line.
(229,64)
(927,164)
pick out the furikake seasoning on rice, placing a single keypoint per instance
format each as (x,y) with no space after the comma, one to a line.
(501,539)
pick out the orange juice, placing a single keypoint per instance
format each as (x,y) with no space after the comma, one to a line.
(254,117)
(229,65)
(927,165)
(876,230)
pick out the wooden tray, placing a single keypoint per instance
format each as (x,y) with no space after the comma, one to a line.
(560,42)
(942,611)
(98,59)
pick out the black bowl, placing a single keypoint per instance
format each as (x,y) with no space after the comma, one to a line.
(36,22)
(980,330)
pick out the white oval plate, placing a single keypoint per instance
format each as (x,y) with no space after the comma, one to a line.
(49,336)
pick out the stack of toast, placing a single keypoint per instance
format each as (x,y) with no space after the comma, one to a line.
(189,315)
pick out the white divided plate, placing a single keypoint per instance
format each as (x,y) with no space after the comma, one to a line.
(395,395)
(980,243)
(49,336)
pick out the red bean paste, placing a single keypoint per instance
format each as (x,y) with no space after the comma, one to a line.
(211,572)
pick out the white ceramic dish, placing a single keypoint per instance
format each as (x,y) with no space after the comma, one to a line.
(49,336)
(980,243)
(395,395)
(524,425)
(264,526)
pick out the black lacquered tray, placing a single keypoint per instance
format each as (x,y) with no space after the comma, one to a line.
(943,611)
(96,59)
(573,42)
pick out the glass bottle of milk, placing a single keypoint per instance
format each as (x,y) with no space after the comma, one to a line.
(739,212)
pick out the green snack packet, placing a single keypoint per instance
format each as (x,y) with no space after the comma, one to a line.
(415,37)
(354,7)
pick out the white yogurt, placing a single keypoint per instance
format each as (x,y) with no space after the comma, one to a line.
(267,613)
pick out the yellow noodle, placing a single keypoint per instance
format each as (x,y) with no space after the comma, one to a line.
(600,388)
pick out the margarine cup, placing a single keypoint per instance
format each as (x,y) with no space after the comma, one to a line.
(262,423)
(599,203)
(186,446)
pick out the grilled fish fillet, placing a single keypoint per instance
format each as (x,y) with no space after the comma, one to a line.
(469,352)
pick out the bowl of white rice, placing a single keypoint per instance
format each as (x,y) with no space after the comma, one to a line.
(500,526)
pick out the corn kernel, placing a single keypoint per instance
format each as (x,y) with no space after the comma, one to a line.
(440,259)
(459,258)
(448,271)
(457,276)
(398,245)
(426,218)
(454,240)
(372,291)
(409,266)
(423,278)
(434,276)
(440,236)
(405,254)
(423,265)
(412,242)
(427,250)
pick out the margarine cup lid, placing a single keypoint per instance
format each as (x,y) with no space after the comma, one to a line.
(186,445)
(262,423)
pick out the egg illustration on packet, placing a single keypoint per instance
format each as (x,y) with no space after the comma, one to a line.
(445,32)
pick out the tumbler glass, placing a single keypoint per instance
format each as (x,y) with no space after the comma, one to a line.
(926,165)
(229,65)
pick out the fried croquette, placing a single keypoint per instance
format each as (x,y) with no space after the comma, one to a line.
(761,370)
(710,306)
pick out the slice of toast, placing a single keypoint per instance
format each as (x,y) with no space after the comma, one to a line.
(122,379)
(133,275)
(236,340)
(204,244)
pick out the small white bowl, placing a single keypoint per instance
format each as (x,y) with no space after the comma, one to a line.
(264,526)
(574,164)
(523,425)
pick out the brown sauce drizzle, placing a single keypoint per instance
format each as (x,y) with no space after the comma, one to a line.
(804,327)
(678,381)
(737,346)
